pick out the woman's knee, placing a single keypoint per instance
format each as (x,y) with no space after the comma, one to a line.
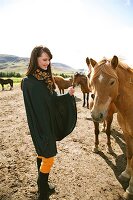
(46,164)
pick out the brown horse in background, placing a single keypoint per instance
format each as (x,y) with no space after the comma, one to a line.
(112,82)
(63,83)
(108,121)
(82,80)
(6,81)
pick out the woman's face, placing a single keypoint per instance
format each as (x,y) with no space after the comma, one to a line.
(43,61)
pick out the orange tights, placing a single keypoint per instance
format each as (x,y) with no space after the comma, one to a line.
(46,164)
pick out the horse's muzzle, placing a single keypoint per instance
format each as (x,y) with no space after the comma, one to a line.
(98,117)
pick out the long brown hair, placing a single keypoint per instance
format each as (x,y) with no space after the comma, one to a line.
(36,52)
(33,64)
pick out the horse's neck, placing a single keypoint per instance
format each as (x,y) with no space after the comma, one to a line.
(125,79)
(125,90)
(83,84)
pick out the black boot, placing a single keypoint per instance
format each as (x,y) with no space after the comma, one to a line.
(39,160)
(51,188)
(43,186)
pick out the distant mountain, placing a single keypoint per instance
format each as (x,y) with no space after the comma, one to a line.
(62,68)
(10,58)
(60,65)
(17,64)
(13,63)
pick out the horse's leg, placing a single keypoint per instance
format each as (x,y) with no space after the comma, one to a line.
(63,91)
(83,99)
(128,173)
(88,100)
(104,126)
(129,191)
(60,90)
(96,126)
(11,85)
(2,86)
(108,133)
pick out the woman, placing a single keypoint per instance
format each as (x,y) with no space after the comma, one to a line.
(50,117)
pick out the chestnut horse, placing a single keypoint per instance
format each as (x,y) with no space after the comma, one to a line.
(112,81)
(82,80)
(6,81)
(63,83)
(108,121)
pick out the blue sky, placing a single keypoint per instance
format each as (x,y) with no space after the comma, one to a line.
(72,29)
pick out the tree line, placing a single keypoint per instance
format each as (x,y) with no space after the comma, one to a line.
(62,74)
(14,74)
(10,74)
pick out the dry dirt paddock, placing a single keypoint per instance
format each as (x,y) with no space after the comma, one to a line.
(78,173)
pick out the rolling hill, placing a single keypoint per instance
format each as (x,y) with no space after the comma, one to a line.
(11,63)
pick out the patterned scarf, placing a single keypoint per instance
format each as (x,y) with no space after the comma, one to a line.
(41,74)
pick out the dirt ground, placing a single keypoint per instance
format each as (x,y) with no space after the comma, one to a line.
(78,173)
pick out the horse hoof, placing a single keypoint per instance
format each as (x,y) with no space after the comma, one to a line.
(110,150)
(123,178)
(95,150)
(128,196)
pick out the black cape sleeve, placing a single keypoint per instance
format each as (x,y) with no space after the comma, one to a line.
(65,116)
(50,117)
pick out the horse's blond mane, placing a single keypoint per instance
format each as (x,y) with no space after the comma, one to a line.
(124,66)
(102,66)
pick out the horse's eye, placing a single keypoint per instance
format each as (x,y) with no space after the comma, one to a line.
(112,82)
(92,96)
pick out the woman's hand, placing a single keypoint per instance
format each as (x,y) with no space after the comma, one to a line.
(71,90)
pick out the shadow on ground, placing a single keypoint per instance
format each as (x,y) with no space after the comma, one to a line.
(120,160)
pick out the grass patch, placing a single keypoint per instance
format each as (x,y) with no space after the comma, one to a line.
(16,80)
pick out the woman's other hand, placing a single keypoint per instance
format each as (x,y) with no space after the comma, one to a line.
(71,90)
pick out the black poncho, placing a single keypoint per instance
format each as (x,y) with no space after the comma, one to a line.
(50,117)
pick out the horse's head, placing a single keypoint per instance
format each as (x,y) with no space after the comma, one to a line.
(78,78)
(104,86)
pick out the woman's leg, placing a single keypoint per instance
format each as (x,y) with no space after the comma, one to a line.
(38,161)
(45,167)
(51,187)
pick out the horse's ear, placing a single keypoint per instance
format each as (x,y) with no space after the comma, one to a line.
(89,66)
(87,61)
(114,62)
(93,62)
